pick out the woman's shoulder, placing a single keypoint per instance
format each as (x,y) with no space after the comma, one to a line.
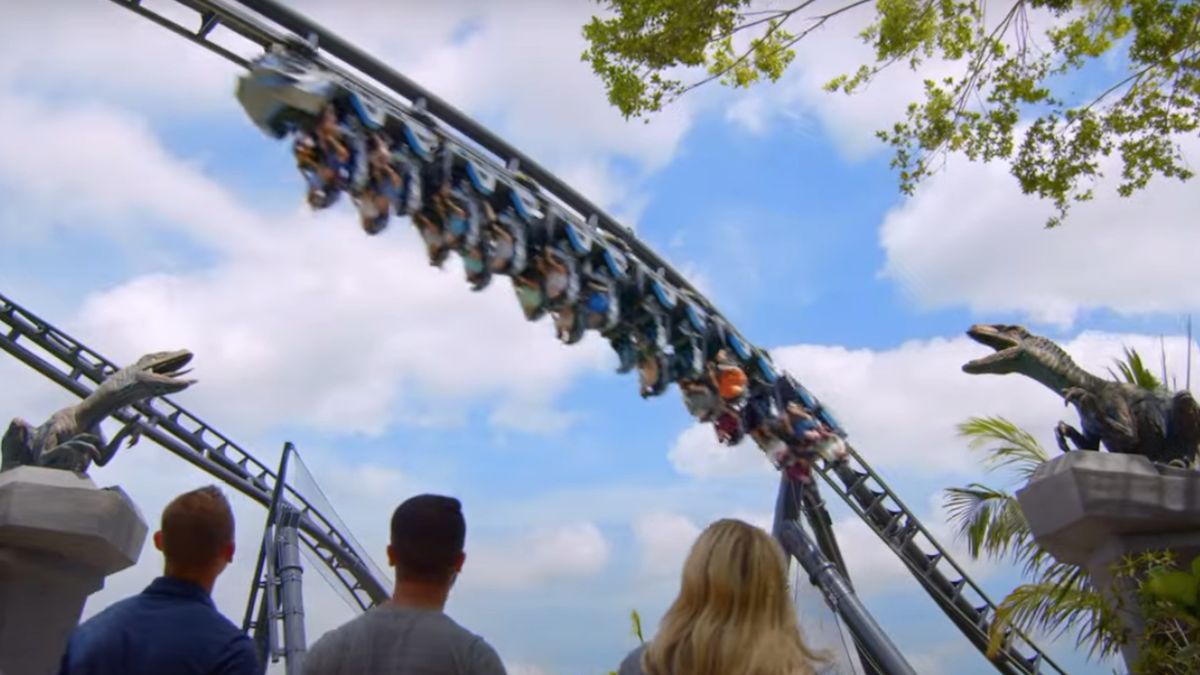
(632,665)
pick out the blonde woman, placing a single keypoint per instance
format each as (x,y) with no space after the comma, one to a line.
(733,616)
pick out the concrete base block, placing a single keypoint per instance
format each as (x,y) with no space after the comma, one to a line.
(1092,508)
(60,536)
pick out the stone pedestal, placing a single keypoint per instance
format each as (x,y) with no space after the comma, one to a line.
(1091,508)
(60,536)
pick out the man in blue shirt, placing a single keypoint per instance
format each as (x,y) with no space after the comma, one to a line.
(172,627)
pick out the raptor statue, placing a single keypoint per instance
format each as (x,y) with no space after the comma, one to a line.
(71,439)
(1123,417)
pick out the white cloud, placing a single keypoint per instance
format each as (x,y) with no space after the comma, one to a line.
(522,63)
(517,66)
(120,177)
(989,251)
(85,47)
(901,406)
(364,338)
(837,49)
(665,539)
(697,453)
(301,314)
(763,520)
(576,550)
(33,399)
(851,121)
(532,416)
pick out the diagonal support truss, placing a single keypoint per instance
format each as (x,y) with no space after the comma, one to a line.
(877,653)
(77,368)
(956,594)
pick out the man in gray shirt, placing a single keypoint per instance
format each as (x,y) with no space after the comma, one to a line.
(410,634)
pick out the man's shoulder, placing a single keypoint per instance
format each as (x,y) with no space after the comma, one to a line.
(432,627)
(480,655)
(112,616)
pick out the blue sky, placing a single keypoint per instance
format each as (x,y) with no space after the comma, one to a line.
(140,210)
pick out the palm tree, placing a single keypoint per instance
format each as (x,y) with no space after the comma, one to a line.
(1057,598)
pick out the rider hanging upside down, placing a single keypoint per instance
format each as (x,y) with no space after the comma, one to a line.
(529,295)
(699,398)
(729,378)
(503,249)
(333,142)
(809,436)
(320,178)
(557,277)
(382,190)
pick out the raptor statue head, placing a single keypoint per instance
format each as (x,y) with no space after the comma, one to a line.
(155,374)
(1007,340)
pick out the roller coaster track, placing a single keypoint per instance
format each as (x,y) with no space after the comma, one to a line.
(75,367)
(265,23)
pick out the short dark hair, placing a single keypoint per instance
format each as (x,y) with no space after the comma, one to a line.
(196,526)
(428,533)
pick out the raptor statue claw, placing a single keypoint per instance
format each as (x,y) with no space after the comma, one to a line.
(72,440)
(1122,417)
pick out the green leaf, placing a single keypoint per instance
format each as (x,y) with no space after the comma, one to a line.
(1015,448)
(1002,87)
(1060,601)
(1173,586)
(1132,370)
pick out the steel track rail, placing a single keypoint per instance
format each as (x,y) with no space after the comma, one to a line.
(359,69)
(956,594)
(963,600)
(75,367)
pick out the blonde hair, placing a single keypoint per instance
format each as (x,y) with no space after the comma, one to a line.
(733,613)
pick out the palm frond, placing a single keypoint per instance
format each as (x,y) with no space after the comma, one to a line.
(1060,601)
(990,521)
(1132,370)
(1016,448)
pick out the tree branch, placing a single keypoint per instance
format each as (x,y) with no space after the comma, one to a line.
(783,14)
(982,56)
(820,20)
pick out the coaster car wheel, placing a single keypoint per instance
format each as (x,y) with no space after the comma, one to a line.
(567,231)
